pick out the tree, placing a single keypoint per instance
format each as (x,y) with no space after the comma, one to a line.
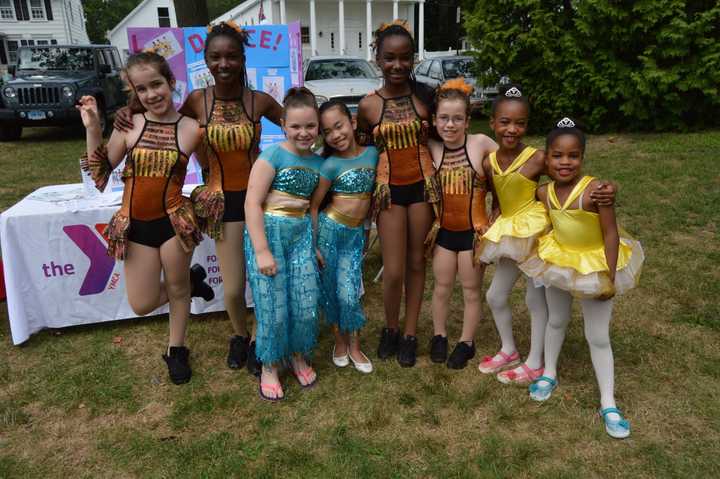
(191,13)
(648,65)
(102,16)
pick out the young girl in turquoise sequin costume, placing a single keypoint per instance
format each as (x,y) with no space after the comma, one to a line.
(348,173)
(281,263)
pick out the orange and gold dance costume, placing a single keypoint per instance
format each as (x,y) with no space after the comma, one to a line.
(522,218)
(404,161)
(231,142)
(572,257)
(461,212)
(154,174)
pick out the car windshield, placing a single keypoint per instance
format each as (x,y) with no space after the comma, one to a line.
(55,58)
(457,68)
(338,69)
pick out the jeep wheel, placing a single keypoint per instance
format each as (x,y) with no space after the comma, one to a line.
(10,132)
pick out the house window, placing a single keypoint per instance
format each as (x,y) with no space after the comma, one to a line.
(305,34)
(7,12)
(37,10)
(27,43)
(332,40)
(12,48)
(42,42)
(360,40)
(163,17)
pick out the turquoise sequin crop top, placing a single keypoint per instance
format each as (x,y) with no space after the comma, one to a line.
(351,175)
(296,175)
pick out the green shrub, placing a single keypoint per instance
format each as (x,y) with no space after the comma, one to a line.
(614,65)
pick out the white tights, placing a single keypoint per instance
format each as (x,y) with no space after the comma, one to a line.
(506,274)
(596,315)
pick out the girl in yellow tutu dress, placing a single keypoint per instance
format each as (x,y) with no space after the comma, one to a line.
(585,256)
(518,219)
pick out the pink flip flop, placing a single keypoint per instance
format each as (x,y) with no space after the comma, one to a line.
(305,374)
(274,388)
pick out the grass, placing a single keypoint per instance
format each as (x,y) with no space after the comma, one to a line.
(78,403)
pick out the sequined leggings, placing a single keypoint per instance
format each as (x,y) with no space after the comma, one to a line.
(341,279)
(285,304)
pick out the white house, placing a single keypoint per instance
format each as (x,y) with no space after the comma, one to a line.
(39,22)
(333,27)
(149,13)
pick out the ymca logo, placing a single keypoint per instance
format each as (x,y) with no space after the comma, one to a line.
(101,265)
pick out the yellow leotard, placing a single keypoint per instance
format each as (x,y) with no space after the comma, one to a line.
(572,255)
(522,218)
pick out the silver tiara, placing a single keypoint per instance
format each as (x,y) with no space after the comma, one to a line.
(566,123)
(513,93)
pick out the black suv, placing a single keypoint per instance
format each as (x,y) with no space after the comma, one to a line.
(49,80)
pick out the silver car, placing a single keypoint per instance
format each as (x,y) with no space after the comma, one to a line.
(437,70)
(347,79)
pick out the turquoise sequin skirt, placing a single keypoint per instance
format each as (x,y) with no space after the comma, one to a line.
(341,279)
(286,305)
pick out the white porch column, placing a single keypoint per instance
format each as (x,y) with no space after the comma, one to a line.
(269,13)
(421,30)
(395,10)
(282,12)
(313,29)
(368,28)
(341,25)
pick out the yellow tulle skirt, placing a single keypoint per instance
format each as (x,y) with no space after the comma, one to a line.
(584,273)
(515,236)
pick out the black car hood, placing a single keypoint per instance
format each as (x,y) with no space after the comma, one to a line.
(24,77)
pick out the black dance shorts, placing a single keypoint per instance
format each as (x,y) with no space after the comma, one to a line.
(455,240)
(151,233)
(406,195)
(234,206)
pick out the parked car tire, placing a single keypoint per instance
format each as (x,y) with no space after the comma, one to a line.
(10,133)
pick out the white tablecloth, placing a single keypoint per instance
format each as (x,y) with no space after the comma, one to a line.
(57,272)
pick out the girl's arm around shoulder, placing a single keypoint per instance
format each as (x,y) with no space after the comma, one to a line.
(479,147)
(369,110)
(541,194)
(266,106)
(436,152)
(189,135)
(535,166)
(194,105)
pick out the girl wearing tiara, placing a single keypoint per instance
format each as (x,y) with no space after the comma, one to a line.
(461,219)
(279,249)
(517,221)
(397,118)
(585,256)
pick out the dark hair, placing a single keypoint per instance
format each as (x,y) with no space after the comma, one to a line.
(232,31)
(455,89)
(503,97)
(559,131)
(422,91)
(158,62)
(299,97)
(328,105)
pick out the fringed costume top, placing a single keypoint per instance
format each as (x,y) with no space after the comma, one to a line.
(462,204)
(404,159)
(522,218)
(231,142)
(154,175)
(352,179)
(572,255)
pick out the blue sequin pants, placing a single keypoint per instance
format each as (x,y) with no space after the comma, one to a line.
(286,305)
(342,249)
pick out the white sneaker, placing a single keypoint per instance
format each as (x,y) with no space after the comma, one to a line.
(340,361)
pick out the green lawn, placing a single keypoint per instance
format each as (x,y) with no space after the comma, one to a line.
(95,401)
